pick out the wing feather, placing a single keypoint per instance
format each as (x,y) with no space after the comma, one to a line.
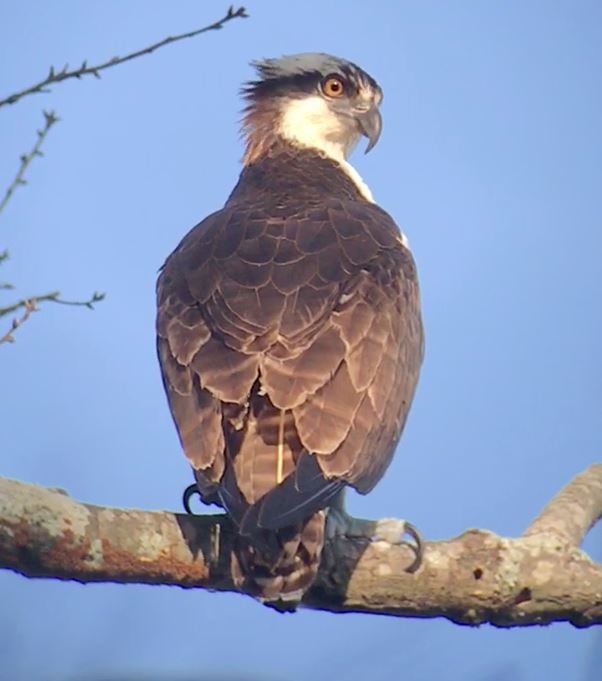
(310,319)
(289,381)
(325,418)
(226,373)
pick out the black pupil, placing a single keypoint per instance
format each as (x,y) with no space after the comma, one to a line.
(335,85)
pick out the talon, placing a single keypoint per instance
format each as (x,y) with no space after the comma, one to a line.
(418,547)
(189,492)
(393,530)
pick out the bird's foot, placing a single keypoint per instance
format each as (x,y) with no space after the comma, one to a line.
(340,524)
(391,530)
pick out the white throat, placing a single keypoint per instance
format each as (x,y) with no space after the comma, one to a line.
(309,123)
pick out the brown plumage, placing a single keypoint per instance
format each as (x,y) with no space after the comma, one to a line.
(290,340)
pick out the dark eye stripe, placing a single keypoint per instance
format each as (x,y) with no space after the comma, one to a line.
(306,83)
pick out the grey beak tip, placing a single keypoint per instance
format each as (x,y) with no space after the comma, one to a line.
(371,126)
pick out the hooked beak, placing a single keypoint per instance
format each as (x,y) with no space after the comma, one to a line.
(371,124)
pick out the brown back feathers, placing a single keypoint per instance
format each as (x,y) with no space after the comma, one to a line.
(290,341)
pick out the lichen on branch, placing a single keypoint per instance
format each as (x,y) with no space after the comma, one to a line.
(477,577)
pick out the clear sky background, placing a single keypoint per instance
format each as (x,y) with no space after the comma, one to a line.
(490,160)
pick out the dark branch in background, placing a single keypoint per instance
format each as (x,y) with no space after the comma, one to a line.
(30,305)
(54,76)
(4,285)
(50,119)
(19,179)
(540,577)
(53,297)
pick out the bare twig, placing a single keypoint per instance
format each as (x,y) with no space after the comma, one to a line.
(53,297)
(55,76)
(50,119)
(4,285)
(31,305)
(95,298)
(474,578)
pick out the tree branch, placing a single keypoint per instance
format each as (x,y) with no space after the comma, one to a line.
(54,76)
(53,297)
(31,305)
(5,285)
(573,511)
(19,179)
(477,577)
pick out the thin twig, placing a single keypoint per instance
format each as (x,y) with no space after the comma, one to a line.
(54,76)
(50,119)
(53,297)
(31,305)
(4,285)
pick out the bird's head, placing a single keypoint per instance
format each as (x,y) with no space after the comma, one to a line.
(311,100)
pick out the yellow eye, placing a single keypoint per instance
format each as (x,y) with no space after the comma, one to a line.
(333,86)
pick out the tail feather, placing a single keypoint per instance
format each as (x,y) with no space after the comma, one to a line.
(303,492)
(278,567)
(275,493)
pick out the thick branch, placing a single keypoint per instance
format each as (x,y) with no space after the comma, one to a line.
(54,76)
(574,510)
(474,578)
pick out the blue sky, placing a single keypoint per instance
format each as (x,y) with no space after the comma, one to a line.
(490,160)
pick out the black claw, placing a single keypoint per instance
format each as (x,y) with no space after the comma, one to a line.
(189,492)
(417,547)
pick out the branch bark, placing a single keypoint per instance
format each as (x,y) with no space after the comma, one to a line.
(477,577)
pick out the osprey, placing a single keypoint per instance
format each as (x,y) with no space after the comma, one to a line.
(288,328)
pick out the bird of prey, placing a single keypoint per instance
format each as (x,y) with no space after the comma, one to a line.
(288,328)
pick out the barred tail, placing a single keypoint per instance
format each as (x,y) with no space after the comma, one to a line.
(278,567)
